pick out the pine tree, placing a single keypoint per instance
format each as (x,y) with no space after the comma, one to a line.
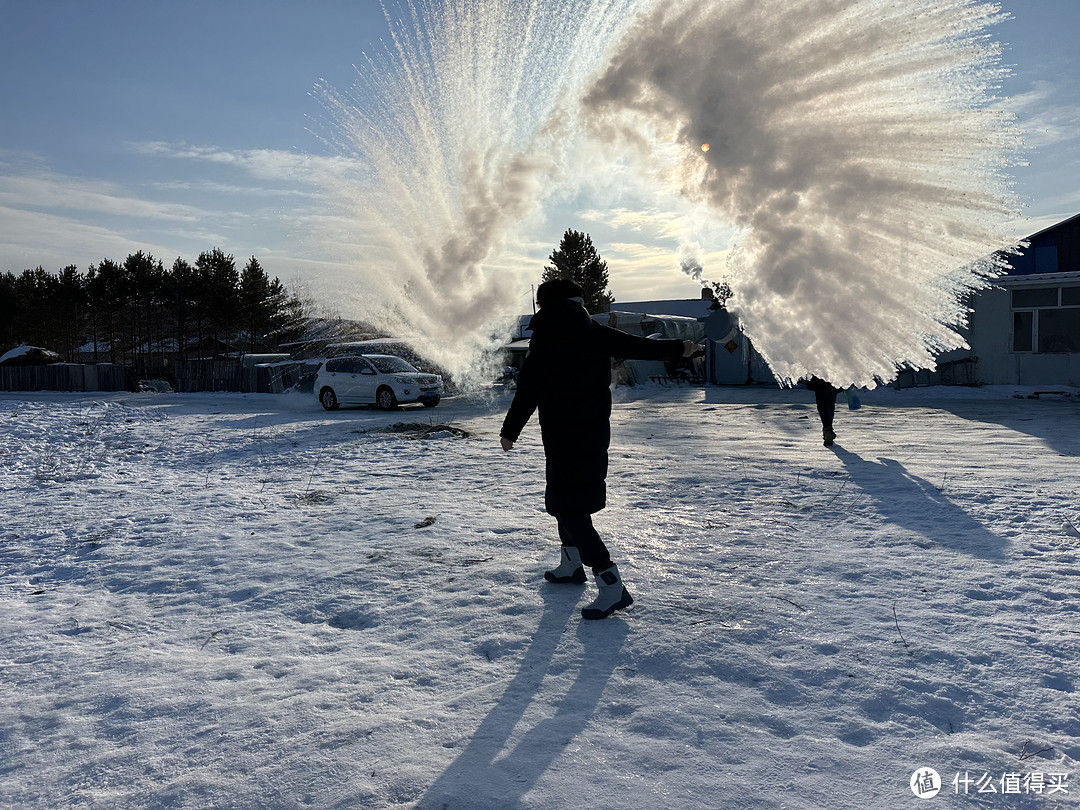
(109,298)
(179,294)
(144,314)
(137,313)
(35,321)
(263,306)
(70,306)
(9,311)
(577,260)
(218,299)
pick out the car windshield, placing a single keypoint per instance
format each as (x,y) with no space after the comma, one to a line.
(390,365)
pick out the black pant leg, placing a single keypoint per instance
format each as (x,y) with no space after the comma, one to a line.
(578,531)
(826,405)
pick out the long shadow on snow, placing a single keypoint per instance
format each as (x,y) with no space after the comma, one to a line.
(914,503)
(1051,420)
(483,776)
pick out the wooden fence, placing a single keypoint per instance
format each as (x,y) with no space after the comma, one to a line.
(63,377)
(275,378)
(184,376)
(207,375)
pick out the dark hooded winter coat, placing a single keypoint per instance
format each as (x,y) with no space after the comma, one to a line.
(567,378)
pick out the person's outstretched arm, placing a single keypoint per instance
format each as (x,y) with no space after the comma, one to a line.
(631,347)
(526,398)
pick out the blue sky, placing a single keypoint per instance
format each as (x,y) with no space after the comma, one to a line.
(176,127)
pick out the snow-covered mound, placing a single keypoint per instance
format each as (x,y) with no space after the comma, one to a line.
(29,355)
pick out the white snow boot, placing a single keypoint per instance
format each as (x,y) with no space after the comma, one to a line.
(569,570)
(613,595)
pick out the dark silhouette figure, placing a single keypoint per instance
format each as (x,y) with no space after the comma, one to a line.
(567,378)
(825,399)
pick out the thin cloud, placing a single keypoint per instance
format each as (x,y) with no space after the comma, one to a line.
(1043,119)
(52,219)
(646,272)
(58,241)
(660,224)
(21,160)
(266,164)
(56,192)
(213,187)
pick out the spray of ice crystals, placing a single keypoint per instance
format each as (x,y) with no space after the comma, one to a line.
(457,131)
(854,144)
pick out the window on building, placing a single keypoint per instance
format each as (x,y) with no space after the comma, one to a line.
(1046,259)
(1046,297)
(1046,320)
(1023,325)
(1059,330)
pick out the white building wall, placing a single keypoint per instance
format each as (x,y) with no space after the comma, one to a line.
(992,340)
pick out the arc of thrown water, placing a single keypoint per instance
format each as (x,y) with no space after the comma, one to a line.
(852,141)
(454,128)
(855,144)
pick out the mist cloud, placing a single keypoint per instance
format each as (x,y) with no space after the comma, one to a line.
(853,146)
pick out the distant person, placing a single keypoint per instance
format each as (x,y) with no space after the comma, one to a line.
(825,399)
(567,378)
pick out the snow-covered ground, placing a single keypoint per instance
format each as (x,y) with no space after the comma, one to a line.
(233,601)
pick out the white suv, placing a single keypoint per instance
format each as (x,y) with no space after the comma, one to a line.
(374,379)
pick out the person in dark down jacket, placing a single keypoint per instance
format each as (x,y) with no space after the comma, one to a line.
(567,378)
(825,400)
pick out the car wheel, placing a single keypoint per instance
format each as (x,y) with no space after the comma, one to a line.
(431,403)
(329,399)
(385,399)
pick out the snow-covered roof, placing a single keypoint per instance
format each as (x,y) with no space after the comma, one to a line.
(680,307)
(1066,221)
(349,344)
(31,354)
(1038,279)
(18,351)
